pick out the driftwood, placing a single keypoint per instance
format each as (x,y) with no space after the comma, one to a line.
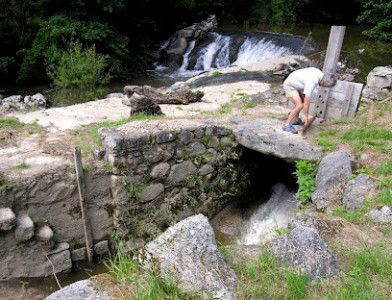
(142,104)
(182,95)
(145,99)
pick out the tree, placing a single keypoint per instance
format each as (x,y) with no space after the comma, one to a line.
(379,14)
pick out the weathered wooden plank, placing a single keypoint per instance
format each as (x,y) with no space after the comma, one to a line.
(81,189)
(337,100)
(335,43)
(348,96)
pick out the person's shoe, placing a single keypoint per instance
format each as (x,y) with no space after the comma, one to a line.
(297,122)
(289,128)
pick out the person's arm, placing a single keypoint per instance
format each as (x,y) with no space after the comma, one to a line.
(306,109)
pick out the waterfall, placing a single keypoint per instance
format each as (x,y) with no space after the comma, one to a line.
(225,49)
(270,216)
(215,54)
(252,51)
(186,55)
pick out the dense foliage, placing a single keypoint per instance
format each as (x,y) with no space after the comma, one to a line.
(35,34)
(379,14)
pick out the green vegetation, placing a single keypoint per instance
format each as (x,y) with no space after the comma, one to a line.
(22,165)
(306,179)
(378,13)
(34,35)
(6,184)
(224,109)
(216,73)
(366,276)
(146,285)
(7,123)
(80,73)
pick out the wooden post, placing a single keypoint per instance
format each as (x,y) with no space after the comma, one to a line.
(80,179)
(335,43)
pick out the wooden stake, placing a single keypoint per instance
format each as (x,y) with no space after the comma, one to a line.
(80,180)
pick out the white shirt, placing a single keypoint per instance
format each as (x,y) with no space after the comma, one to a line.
(305,80)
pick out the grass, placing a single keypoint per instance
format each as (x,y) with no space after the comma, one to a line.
(23,165)
(367,275)
(145,284)
(7,123)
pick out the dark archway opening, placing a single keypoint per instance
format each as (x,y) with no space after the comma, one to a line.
(264,172)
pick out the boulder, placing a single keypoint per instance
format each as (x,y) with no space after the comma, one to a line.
(80,290)
(160,170)
(383,214)
(334,170)
(378,85)
(172,53)
(306,252)
(188,251)
(357,190)
(11,103)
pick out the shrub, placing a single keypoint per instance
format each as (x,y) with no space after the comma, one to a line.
(306,179)
(79,68)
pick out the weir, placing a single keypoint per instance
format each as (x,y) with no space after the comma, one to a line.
(221,49)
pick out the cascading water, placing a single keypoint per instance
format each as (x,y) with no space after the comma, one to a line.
(214,55)
(270,217)
(224,49)
(252,51)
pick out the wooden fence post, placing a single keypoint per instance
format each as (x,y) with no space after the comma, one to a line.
(80,180)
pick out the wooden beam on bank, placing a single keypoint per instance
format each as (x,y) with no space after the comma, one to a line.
(83,207)
(334,47)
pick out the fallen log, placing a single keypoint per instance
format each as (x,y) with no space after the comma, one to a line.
(183,95)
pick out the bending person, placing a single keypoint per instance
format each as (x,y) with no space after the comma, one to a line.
(298,87)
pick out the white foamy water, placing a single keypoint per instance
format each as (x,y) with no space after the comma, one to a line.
(270,216)
(253,51)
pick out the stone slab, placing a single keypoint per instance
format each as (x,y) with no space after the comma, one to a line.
(266,136)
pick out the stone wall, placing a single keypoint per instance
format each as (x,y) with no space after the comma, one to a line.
(41,224)
(155,174)
(168,170)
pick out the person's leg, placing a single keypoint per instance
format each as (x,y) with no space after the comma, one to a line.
(294,114)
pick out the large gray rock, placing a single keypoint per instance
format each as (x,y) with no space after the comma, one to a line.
(334,170)
(80,290)
(357,190)
(306,252)
(266,136)
(188,249)
(379,84)
(382,214)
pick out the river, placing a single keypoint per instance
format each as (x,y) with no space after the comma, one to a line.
(358,51)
